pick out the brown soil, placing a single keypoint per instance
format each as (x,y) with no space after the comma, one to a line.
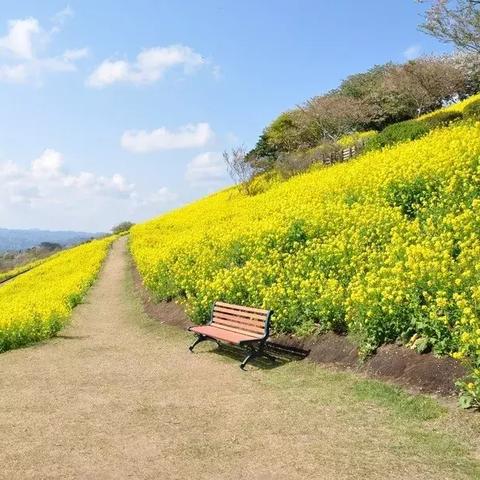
(425,371)
(119,396)
(420,372)
(170,313)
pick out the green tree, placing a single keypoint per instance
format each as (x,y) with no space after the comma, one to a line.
(122,227)
(369,87)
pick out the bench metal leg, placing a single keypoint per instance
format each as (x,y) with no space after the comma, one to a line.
(260,352)
(200,338)
(251,355)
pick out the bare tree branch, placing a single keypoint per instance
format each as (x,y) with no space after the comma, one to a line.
(458,23)
(239,169)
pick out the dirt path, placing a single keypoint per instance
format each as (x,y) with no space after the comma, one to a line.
(119,396)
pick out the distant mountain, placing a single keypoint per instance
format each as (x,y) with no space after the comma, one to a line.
(22,239)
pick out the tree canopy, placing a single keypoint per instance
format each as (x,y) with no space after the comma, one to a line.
(374,99)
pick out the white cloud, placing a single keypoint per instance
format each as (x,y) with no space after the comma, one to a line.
(206,169)
(162,195)
(19,41)
(13,73)
(45,194)
(60,18)
(22,50)
(412,52)
(188,136)
(160,198)
(48,164)
(150,66)
(75,54)
(8,170)
(46,178)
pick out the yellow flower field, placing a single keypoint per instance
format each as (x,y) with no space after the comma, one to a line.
(37,304)
(456,107)
(354,138)
(386,246)
(4,276)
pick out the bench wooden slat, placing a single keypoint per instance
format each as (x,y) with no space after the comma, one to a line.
(244,322)
(235,318)
(250,335)
(242,308)
(240,313)
(242,326)
(221,334)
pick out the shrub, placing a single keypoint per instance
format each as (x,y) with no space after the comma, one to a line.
(409,196)
(289,164)
(470,388)
(122,227)
(441,119)
(240,170)
(472,110)
(262,182)
(356,138)
(396,133)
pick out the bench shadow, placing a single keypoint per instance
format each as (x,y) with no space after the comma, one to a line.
(281,354)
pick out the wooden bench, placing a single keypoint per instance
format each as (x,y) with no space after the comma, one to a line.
(236,325)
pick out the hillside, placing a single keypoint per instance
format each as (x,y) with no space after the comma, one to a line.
(11,239)
(384,247)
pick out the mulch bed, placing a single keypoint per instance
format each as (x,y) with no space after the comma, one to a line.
(422,372)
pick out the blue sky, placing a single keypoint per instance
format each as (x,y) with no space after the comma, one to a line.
(112,113)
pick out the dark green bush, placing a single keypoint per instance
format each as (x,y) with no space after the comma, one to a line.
(441,119)
(472,110)
(396,133)
(410,196)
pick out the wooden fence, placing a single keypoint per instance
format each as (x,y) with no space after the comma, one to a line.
(341,155)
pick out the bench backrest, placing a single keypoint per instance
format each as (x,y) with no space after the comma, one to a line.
(254,322)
